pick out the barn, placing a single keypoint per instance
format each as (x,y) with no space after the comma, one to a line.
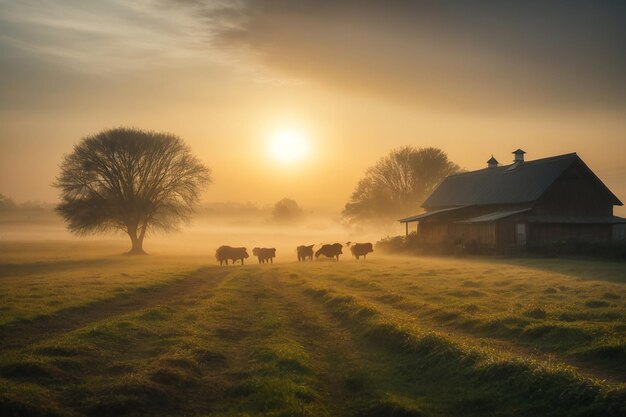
(506,207)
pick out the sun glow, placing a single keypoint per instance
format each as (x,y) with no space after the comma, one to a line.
(288,146)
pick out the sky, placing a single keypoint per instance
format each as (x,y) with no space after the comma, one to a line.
(353,79)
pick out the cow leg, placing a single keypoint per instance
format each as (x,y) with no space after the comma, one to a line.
(241,261)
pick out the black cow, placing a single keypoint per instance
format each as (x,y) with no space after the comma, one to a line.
(330,251)
(264,254)
(224,253)
(305,252)
(361,249)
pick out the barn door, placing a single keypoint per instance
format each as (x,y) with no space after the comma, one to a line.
(520,234)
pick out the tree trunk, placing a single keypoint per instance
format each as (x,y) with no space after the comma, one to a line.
(136,242)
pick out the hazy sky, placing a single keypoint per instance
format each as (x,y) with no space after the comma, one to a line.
(355,78)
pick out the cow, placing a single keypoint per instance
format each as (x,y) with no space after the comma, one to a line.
(264,254)
(330,251)
(224,253)
(361,249)
(305,252)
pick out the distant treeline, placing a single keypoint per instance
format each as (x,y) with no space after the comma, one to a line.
(7,203)
(229,208)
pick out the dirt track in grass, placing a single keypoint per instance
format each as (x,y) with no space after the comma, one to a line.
(409,311)
(317,339)
(21,334)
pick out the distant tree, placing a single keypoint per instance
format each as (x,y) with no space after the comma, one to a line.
(286,210)
(129,180)
(6,203)
(398,184)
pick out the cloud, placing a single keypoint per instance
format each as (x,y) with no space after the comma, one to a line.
(103,37)
(463,55)
(481,56)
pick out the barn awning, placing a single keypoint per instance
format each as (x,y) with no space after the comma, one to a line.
(492,217)
(422,216)
(546,218)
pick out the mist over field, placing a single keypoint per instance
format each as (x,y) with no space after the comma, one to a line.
(210,228)
(307,208)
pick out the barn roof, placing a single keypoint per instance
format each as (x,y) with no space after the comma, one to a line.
(492,217)
(422,216)
(520,182)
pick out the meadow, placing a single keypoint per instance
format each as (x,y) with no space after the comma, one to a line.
(86,332)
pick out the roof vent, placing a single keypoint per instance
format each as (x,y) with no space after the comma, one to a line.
(492,162)
(519,155)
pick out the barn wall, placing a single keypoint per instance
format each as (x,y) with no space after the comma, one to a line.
(443,227)
(575,193)
(481,234)
(505,233)
(550,232)
(435,232)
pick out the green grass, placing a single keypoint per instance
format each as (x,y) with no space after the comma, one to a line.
(41,288)
(392,336)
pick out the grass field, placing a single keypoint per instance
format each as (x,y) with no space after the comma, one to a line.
(87,333)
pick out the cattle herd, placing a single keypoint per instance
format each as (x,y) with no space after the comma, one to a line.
(304,252)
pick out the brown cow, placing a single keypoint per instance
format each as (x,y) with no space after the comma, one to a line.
(330,251)
(305,252)
(224,253)
(264,254)
(361,249)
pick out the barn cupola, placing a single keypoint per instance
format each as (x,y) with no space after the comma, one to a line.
(519,155)
(492,162)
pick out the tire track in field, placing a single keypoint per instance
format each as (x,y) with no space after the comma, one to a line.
(464,380)
(407,309)
(349,372)
(268,374)
(314,337)
(19,335)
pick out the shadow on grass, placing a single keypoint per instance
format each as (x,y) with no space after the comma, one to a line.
(581,268)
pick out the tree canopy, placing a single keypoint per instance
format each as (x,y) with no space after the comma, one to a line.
(129,180)
(286,210)
(398,184)
(6,203)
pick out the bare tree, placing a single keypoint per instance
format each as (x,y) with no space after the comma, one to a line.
(398,183)
(129,180)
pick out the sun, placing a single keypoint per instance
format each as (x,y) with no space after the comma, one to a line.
(288,145)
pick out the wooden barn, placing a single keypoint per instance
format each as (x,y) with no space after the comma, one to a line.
(500,208)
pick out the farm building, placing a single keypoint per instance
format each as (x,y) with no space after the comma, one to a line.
(526,203)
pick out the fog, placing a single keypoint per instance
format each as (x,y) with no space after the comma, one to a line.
(201,237)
